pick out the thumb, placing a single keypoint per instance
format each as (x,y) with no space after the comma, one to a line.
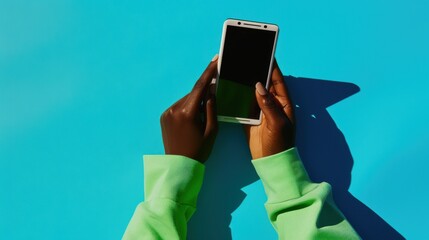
(272,111)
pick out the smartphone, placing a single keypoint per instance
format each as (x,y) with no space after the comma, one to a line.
(246,57)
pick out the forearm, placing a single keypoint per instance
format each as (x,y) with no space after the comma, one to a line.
(172,184)
(296,207)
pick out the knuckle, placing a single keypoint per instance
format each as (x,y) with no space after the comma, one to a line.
(167,114)
(185,114)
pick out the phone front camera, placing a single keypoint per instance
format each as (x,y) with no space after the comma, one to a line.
(239,23)
(265,26)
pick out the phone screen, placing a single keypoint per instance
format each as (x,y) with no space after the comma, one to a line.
(246,60)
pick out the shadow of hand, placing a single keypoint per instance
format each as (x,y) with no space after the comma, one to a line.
(324,152)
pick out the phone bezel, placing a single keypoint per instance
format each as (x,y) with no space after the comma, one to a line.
(253,25)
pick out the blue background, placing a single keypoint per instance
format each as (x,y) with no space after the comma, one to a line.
(83,83)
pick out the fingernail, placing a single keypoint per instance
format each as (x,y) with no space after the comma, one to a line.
(215,57)
(261,89)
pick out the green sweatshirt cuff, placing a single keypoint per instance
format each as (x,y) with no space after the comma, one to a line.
(283,176)
(173,177)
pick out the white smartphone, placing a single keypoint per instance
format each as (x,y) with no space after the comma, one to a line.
(246,57)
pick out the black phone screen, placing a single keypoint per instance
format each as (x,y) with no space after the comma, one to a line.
(246,60)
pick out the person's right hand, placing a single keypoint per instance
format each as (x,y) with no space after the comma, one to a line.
(276,132)
(189,126)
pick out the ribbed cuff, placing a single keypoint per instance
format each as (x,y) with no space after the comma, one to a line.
(173,177)
(283,176)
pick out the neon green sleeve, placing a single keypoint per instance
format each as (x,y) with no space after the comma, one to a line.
(296,207)
(172,184)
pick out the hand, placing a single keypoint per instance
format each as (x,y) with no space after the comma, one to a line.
(276,132)
(189,126)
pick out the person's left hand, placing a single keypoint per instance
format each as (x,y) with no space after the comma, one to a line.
(276,132)
(189,126)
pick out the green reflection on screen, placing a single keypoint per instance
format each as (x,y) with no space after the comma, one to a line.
(236,100)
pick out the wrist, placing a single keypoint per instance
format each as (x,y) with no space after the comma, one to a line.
(266,151)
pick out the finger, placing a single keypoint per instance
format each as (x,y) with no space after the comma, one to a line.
(277,81)
(210,112)
(272,111)
(281,91)
(176,108)
(196,96)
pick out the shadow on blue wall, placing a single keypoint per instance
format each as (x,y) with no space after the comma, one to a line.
(227,171)
(324,152)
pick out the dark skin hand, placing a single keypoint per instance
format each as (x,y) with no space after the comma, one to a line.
(276,132)
(189,126)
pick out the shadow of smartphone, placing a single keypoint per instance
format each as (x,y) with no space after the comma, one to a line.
(324,152)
